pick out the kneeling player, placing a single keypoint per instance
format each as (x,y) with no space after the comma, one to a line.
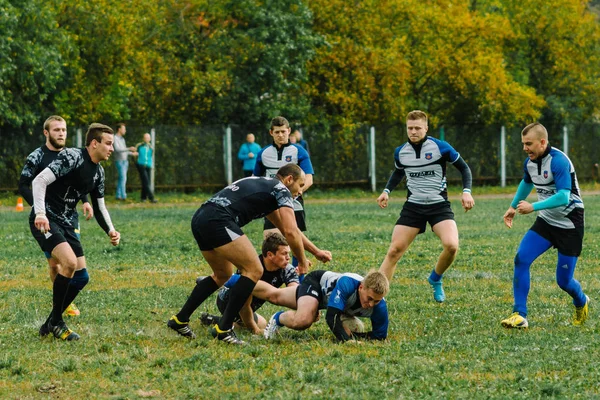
(275,260)
(341,294)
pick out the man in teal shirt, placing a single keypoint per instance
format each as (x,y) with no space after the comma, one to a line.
(144,165)
(247,154)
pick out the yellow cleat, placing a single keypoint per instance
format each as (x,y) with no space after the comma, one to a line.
(72,311)
(515,321)
(581,313)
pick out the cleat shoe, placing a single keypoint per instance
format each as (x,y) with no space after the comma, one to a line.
(183,328)
(60,331)
(438,290)
(72,311)
(271,329)
(208,319)
(225,336)
(515,321)
(581,313)
(44,331)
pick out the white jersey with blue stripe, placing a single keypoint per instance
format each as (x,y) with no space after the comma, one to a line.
(341,291)
(553,172)
(271,158)
(424,165)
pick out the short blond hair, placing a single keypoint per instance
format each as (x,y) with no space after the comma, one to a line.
(416,115)
(538,129)
(53,118)
(377,282)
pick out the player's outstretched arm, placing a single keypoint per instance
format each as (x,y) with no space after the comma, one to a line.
(321,255)
(285,221)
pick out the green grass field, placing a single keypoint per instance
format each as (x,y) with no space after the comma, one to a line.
(454,350)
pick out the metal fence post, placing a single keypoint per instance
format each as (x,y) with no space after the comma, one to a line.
(227,155)
(503,156)
(565,140)
(78,139)
(153,143)
(372,159)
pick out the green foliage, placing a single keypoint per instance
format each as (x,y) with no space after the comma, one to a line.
(31,63)
(454,350)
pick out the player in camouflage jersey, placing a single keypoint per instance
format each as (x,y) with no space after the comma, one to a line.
(216,226)
(56,191)
(55,130)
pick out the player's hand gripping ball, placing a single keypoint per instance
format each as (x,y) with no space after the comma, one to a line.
(352,324)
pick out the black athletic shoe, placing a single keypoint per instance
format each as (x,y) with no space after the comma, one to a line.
(60,331)
(208,319)
(226,336)
(44,331)
(183,328)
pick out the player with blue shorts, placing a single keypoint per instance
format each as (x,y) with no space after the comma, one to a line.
(559,223)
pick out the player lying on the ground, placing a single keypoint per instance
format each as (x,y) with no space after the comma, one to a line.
(275,260)
(340,294)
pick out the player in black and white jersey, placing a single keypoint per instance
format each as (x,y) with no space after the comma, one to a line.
(422,160)
(217,229)
(55,130)
(275,156)
(277,272)
(560,223)
(56,191)
(341,294)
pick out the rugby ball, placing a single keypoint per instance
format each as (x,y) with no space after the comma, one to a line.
(352,324)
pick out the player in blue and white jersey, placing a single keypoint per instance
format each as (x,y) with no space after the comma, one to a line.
(216,226)
(55,130)
(275,257)
(275,156)
(559,223)
(422,160)
(340,294)
(56,191)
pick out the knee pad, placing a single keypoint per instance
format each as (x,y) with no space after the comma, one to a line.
(80,279)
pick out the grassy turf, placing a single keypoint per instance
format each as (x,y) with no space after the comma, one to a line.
(454,350)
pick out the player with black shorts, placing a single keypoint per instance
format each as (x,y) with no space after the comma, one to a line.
(217,229)
(559,223)
(422,160)
(55,130)
(56,191)
(275,156)
(341,294)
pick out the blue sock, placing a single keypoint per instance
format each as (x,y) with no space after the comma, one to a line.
(565,268)
(276,316)
(531,247)
(434,276)
(294,261)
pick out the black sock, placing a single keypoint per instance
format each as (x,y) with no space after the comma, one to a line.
(59,290)
(201,292)
(238,295)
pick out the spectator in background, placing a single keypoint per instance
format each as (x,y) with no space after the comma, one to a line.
(120,157)
(293,138)
(247,154)
(144,164)
(300,140)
